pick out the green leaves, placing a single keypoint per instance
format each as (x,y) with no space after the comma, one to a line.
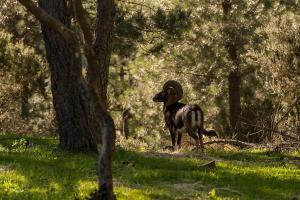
(174,22)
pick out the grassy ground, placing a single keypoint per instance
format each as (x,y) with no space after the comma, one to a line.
(42,171)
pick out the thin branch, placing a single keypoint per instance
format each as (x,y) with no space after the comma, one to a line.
(255,6)
(83,22)
(50,21)
(282,145)
(282,133)
(136,3)
(232,142)
(88,47)
(288,111)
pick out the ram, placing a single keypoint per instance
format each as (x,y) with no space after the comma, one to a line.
(180,117)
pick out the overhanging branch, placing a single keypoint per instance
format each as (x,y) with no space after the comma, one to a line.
(47,19)
(83,22)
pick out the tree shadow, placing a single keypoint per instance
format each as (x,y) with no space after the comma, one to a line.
(256,183)
(48,172)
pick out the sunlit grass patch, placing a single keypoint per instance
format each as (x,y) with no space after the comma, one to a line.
(11,182)
(41,170)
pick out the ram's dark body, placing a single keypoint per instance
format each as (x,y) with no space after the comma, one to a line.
(179,118)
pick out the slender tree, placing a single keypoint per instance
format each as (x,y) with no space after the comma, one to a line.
(234,79)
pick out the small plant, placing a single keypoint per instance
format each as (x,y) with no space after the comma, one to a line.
(20,145)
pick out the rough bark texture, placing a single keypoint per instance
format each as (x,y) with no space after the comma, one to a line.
(79,104)
(48,19)
(103,44)
(234,79)
(73,126)
(105,180)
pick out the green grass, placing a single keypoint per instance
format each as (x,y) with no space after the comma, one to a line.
(43,171)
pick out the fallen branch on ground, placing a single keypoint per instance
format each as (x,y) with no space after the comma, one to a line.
(232,142)
(282,145)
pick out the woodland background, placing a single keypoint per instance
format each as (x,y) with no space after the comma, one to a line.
(190,41)
(70,77)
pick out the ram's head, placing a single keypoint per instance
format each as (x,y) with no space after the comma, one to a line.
(171,93)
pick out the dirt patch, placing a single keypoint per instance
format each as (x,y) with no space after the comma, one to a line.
(4,168)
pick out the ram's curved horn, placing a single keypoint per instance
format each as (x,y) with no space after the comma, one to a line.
(176,87)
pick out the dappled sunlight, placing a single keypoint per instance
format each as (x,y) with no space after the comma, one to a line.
(157,172)
(41,171)
(11,183)
(124,193)
(84,187)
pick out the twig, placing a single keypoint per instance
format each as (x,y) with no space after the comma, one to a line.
(288,111)
(232,142)
(136,3)
(282,133)
(282,145)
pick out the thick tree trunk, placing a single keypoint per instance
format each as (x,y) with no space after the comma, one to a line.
(72,117)
(70,91)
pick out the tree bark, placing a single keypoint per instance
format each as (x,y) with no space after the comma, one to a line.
(103,46)
(74,131)
(87,97)
(126,115)
(234,81)
(234,78)
(103,42)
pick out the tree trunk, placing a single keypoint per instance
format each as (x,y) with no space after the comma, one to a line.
(70,91)
(71,115)
(126,115)
(103,44)
(234,78)
(234,81)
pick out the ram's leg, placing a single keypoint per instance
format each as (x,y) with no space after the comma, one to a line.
(173,137)
(191,133)
(179,139)
(201,139)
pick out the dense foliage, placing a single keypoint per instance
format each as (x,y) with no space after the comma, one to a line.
(24,96)
(187,41)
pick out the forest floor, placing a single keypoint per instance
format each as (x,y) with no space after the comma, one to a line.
(40,170)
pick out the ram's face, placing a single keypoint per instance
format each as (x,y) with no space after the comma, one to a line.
(161,96)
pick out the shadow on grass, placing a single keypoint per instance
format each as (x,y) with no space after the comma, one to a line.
(47,171)
(42,171)
(258,182)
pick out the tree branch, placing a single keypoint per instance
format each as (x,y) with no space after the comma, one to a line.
(136,3)
(47,19)
(288,111)
(83,22)
(253,9)
(232,142)
(282,145)
(282,133)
